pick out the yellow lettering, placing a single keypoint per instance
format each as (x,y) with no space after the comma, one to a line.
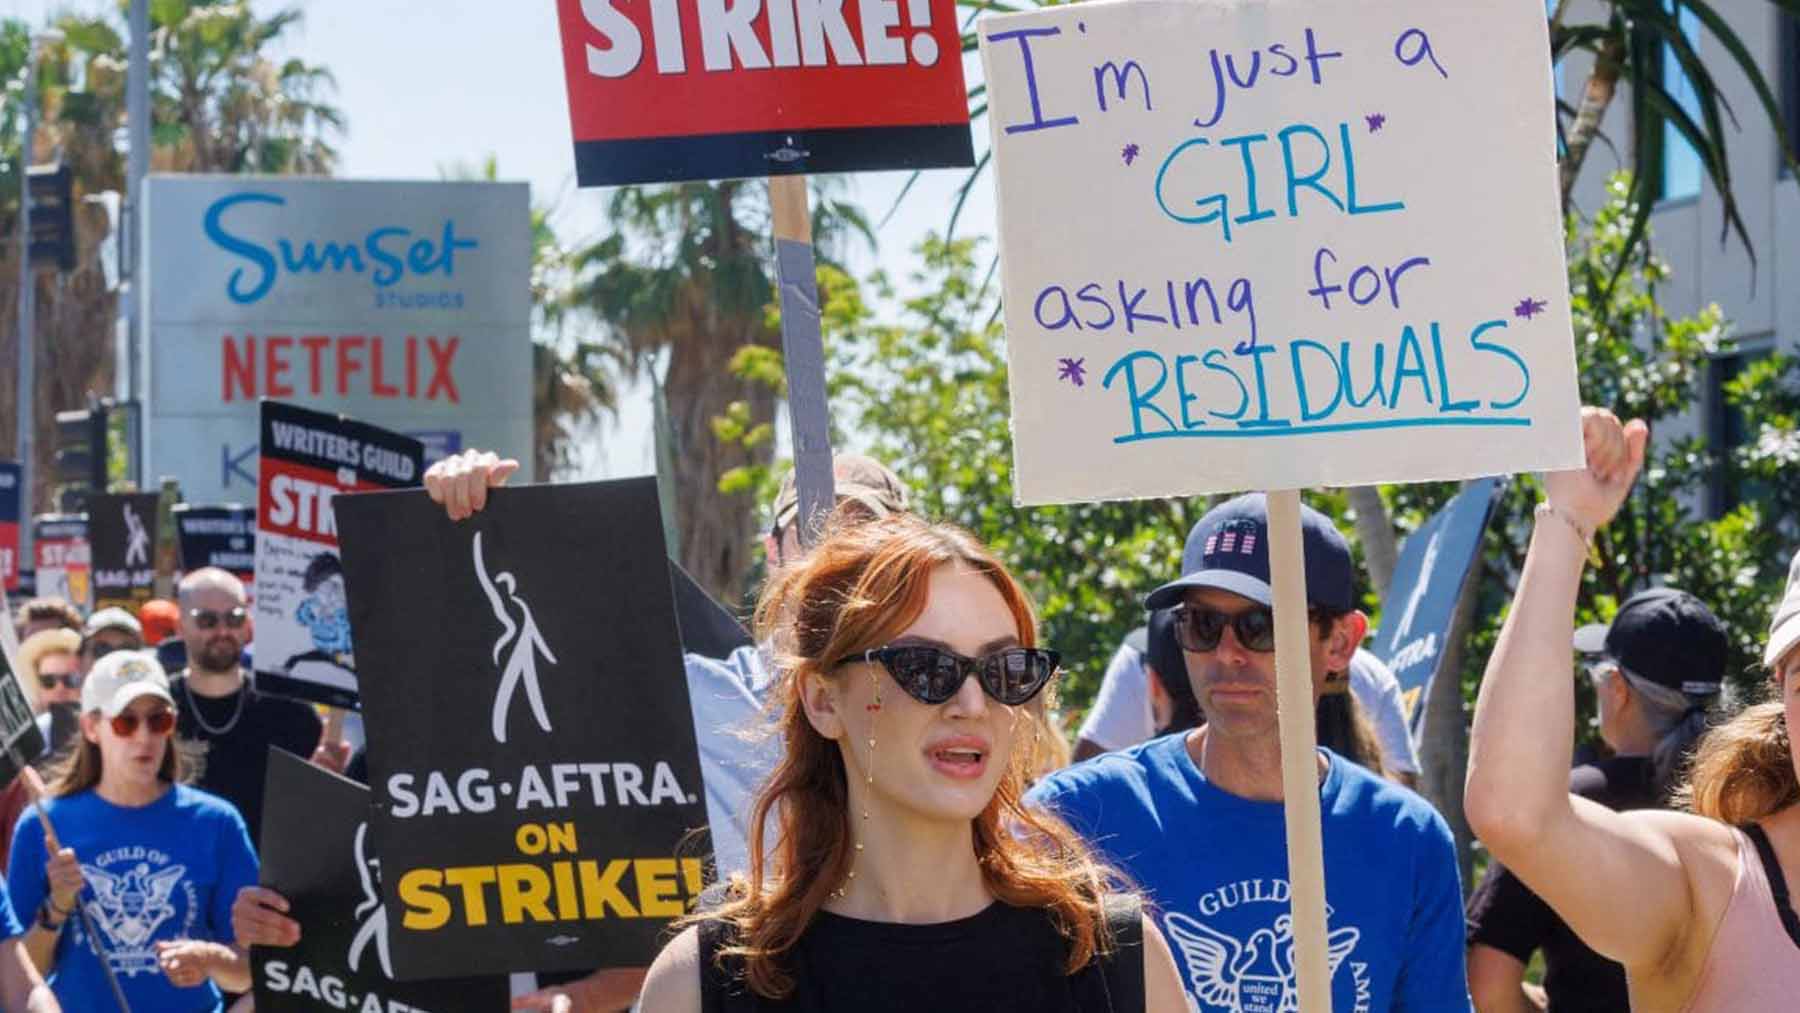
(523,890)
(426,909)
(529,839)
(562,838)
(472,878)
(598,891)
(568,905)
(658,892)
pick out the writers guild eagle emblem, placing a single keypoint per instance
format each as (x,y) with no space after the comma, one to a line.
(371,916)
(519,640)
(1253,976)
(137,539)
(128,908)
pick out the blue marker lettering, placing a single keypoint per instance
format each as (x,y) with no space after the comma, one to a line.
(1215,360)
(1068,312)
(1350,180)
(1314,57)
(1487,346)
(1129,303)
(1294,182)
(1120,81)
(1437,350)
(1409,339)
(1421,50)
(1141,401)
(1181,390)
(1337,387)
(1100,301)
(1038,122)
(1255,213)
(1375,390)
(1218,202)
(1256,352)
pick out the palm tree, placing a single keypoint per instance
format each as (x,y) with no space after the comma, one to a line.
(218,104)
(682,282)
(574,377)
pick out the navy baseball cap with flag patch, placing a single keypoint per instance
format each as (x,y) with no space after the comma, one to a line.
(1229,550)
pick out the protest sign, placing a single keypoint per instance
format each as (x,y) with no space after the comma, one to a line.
(21,741)
(707,627)
(221,536)
(662,92)
(122,548)
(1420,604)
(318,854)
(11,495)
(531,745)
(1280,244)
(406,305)
(60,543)
(303,646)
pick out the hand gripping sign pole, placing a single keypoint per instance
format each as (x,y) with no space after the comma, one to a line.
(1299,751)
(35,786)
(803,353)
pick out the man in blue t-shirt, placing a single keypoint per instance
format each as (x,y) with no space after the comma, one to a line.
(1195,819)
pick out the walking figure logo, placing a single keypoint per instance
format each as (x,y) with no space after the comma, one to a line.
(370,913)
(137,545)
(522,637)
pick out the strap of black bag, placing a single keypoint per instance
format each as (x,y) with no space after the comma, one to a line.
(1778,887)
(1123,970)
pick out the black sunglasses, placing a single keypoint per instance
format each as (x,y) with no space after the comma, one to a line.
(70,681)
(932,675)
(1198,628)
(206,619)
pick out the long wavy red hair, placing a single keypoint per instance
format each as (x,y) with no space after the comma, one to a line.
(863,585)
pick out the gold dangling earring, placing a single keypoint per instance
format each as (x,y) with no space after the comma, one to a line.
(868,781)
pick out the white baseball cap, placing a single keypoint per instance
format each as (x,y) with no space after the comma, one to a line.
(1784,629)
(122,677)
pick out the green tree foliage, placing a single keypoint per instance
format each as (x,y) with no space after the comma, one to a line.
(928,394)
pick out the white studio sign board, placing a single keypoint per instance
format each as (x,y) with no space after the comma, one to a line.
(1279,244)
(406,305)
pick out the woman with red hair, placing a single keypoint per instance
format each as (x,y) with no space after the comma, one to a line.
(905,874)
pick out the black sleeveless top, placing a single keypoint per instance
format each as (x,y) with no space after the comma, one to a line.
(1001,960)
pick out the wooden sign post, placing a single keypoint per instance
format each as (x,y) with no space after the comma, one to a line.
(1276,246)
(648,104)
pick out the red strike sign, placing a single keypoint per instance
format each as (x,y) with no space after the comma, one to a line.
(664,90)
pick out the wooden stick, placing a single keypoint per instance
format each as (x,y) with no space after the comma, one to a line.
(803,353)
(1299,751)
(34,784)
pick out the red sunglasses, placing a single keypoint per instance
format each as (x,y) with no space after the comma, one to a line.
(159,722)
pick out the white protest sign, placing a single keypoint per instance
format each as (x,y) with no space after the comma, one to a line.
(1279,244)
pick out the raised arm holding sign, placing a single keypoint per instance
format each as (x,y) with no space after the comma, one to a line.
(1276,245)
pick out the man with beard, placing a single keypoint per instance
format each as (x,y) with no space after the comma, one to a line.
(216,705)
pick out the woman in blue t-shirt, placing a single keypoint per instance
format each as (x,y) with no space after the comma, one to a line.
(140,869)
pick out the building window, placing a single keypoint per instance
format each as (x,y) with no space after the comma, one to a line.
(1679,175)
(1726,430)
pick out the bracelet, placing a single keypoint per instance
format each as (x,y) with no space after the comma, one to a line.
(44,919)
(1549,510)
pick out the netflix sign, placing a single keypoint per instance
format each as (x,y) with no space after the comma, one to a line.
(700,89)
(404,304)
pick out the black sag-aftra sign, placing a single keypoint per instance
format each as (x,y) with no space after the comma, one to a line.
(531,745)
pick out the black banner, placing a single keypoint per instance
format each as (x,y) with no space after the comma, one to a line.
(122,548)
(707,627)
(303,642)
(221,536)
(317,853)
(531,746)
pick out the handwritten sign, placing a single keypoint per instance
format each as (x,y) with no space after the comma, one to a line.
(1278,244)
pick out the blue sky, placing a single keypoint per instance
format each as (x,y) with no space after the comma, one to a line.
(427,85)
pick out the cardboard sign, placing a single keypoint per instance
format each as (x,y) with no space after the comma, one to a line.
(663,91)
(303,644)
(20,739)
(404,304)
(11,495)
(60,543)
(531,744)
(707,627)
(318,853)
(122,547)
(1420,605)
(221,536)
(1278,244)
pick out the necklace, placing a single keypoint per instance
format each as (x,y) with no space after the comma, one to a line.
(844,888)
(200,719)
